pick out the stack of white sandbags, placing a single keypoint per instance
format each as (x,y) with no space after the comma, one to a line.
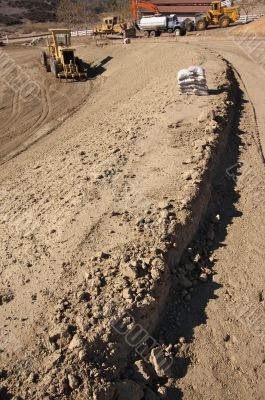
(193,81)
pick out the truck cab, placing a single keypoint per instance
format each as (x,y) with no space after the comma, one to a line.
(172,22)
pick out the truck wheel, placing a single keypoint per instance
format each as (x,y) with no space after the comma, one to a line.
(224,21)
(190,27)
(201,25)
(54,67)
(44,59)
(170,30)
(153,34)
(80,64)
(48,66)
(146,33)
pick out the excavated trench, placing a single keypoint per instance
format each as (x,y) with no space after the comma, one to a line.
(186,304)
(188,284)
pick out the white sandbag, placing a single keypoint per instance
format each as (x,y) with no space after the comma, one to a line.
(184,74)
(192,83)
(197,71)
(193,80)
(193,87)
(197,92)
(202,93)
(186,90)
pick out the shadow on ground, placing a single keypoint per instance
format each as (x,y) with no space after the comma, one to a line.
(98,69)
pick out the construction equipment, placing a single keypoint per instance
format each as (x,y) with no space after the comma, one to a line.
(61,59)
(148,6)
(154,25)
(217,15)
(189,24)
(114,25)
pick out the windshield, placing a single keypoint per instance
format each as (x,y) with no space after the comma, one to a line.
(62,39)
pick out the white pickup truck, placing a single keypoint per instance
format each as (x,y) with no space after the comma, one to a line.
(154,25)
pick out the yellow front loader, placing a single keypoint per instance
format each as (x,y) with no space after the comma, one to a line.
(60,58)
(217,15)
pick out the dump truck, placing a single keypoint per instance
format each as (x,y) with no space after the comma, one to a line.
(154,25)
(217,15)
(114,25)
(60,59)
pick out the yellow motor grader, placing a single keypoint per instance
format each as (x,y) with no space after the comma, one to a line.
(217,15)
(60,58)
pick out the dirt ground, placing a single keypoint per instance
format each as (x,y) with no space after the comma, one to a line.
(27,118)
(227,338)
(254,29)
(99,180)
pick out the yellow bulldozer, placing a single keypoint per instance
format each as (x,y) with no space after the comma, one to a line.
(217,15)
(60,59)
(114,25)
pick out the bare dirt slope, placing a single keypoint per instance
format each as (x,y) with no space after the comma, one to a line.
(255,28)
(225,353)
(80,203)
(82,198)
(32,102)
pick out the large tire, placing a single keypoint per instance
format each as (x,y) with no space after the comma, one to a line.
(183,32)
(201,24)
(153,34)
(44,59)
(190,27)
(188,24)
(80,64)
(146,34)
(224,21)
(54,67)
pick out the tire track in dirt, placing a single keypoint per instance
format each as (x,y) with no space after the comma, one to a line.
(45,112)
(46,116)
(256,135)
(247,69)
(17,108)
(15,112)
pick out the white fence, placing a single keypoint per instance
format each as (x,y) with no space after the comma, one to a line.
(87,32)
(244,19)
